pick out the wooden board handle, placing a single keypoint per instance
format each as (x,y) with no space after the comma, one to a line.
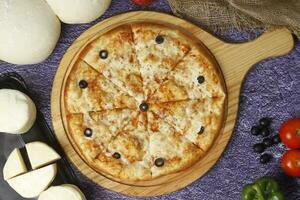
(236,59)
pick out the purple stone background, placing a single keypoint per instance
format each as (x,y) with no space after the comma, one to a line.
(271,88)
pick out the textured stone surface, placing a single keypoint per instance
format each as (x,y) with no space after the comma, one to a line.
(272,88)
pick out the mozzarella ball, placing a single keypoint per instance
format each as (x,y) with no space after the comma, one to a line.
(62,192)
(79,11)
(29,31)
(17,112)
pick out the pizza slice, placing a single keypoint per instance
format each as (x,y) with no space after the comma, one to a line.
(87,89)
(113,55)
(198,120)
(195,77)
(93,140)
(170,152)
(130,142)
(113,141)
(158,50)
(86,134)
(96,130)
(130,146)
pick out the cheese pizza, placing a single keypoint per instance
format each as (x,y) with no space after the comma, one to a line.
(142,101)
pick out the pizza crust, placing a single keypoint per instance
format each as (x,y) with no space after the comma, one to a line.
(105,120)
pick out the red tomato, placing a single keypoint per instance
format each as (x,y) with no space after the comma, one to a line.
(290,162)
(143,2)
(290,133)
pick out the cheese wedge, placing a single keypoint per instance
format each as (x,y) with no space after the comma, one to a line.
(63,192)
(31,184)
(14,165)
(40,154)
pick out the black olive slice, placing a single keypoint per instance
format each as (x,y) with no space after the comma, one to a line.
(103,54)
(159,162)
(83,84)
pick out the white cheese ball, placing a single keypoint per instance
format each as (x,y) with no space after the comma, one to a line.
(63,192)
(17,112)
(29,31)
(79,11)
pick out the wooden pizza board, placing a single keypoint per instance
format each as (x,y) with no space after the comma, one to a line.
(234,59)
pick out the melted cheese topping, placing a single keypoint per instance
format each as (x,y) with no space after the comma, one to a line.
(125,141)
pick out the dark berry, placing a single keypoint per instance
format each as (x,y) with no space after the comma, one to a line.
(159,162)
(259,148)
(265,158)
(103,54)
(255,130)
(201,130)
(264,131)
(144,107)
(268,142)
(159,39)
(116,155)
(83,84)
(88,132)
(264,122)
(200,79)
(276,139)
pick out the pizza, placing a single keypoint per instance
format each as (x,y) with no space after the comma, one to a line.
(142,101)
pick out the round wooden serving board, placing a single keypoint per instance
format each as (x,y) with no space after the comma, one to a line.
(234,59)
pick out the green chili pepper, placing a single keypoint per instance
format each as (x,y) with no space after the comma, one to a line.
(263,189)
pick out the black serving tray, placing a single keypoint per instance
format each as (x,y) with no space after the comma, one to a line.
(39,132)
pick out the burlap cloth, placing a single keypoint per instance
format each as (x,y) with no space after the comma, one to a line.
(221,15)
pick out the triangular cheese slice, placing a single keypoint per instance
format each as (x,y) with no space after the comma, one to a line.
(31,184)
(41,154)
(14,165)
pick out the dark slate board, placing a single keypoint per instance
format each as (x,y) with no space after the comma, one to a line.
(39,132)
